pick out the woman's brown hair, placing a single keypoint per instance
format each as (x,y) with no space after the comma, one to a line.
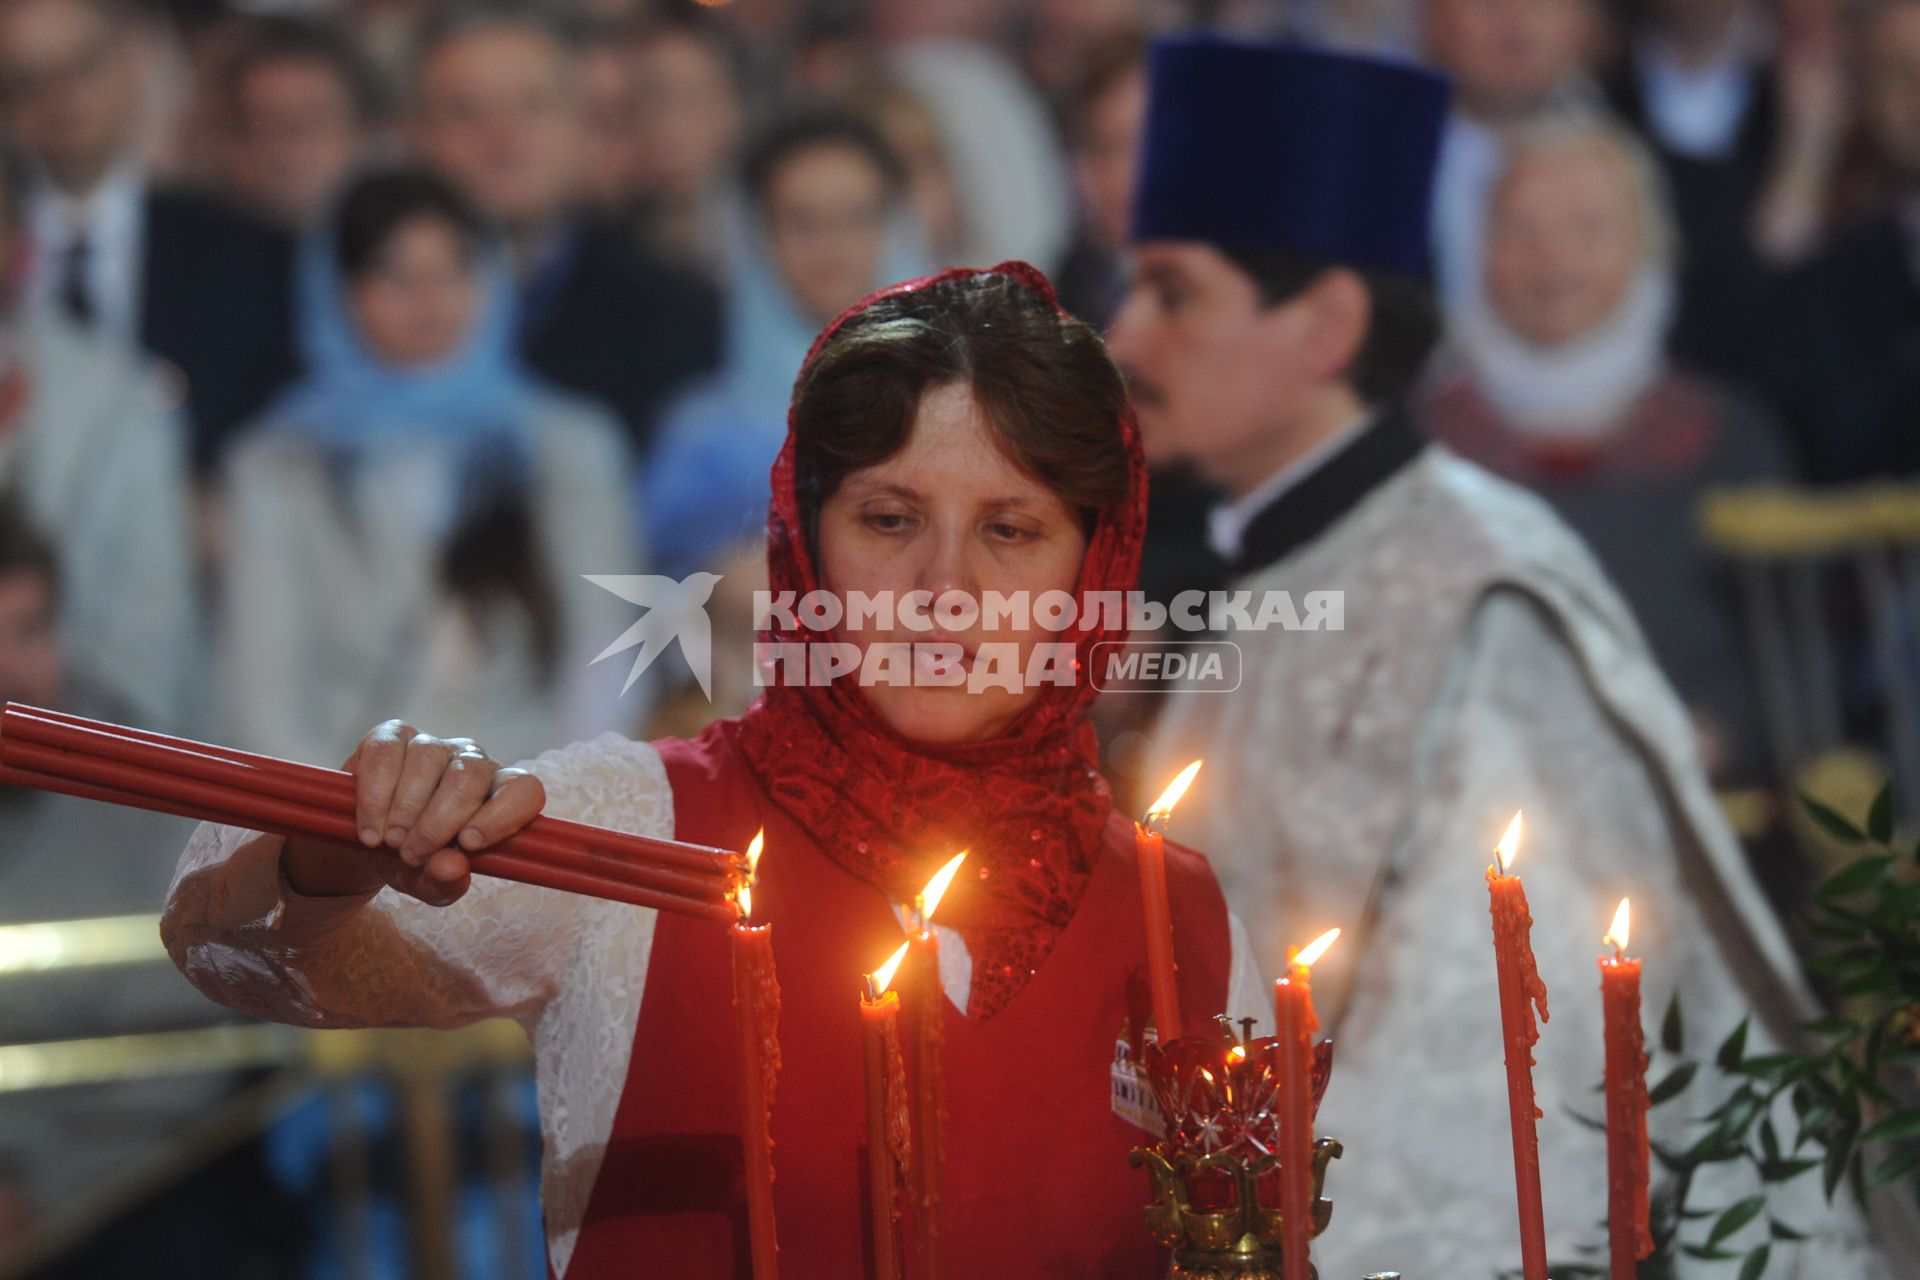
(1043,379)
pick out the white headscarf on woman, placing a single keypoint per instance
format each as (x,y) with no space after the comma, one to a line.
(1582,386)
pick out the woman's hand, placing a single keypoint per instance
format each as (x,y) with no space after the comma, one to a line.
(421,805)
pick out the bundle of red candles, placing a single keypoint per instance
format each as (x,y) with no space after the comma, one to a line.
(97,760)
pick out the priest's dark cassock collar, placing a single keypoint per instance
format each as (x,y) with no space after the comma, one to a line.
(1335,487)
(1030,804)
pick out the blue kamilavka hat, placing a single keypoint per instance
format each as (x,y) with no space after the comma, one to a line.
(1290,149)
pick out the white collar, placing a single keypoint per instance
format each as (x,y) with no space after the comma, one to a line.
(1227,523)
(1742,47)
(1580,388)
(110,211)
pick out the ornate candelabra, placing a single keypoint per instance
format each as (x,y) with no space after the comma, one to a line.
(1216,1172)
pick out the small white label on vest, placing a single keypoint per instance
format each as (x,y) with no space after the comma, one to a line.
(1133,1099)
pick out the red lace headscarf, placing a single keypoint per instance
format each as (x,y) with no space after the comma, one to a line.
(1030,804)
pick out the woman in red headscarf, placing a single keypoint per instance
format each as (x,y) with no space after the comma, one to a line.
(957,434)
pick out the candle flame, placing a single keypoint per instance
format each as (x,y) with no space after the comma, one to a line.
(1238,1052)
(1616,936)
(1315,949)
(1163,807)
(1509,845)
(744,898)
(937,887)
(882,978)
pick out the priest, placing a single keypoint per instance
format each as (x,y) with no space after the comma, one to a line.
(1471,660)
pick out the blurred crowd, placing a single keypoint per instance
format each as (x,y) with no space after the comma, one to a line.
(338,341)
(342,340)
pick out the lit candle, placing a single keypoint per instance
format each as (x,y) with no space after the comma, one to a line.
(756,1003)
(1628,1234)
(924,1003)
(1297,1023)
(1149,844)
(1521,992)
(888,1143)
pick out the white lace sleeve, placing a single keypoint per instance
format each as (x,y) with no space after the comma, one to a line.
(247,940)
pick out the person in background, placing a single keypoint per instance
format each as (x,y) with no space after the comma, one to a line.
(828,226)
(388,31)
(498,111)
(1744,105)
(1850,351)
(1556,377)
(1104,118)
(827,230)
(1104,113)
(32,666)
(1695,77)
(1010,172)
(63,858)
(610,103)
(1060,39)
(94,458)
(120,255)
(607,13)
(1511,62)
(302,109)
(833,59)
(411,522)
(692,115)
(42,876)
(912,133)
(1364,763)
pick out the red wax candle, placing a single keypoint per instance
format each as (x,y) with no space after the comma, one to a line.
(756,1003)
(1521,992)
(924,999)
(1151,852)
(888,1144)
(1629,1236)
(925,1005)
(1297,1022)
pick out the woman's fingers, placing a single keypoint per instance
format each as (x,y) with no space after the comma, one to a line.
(439,881)
(517,799)
(419,794)
(376,765)
(419,777)
(420,769)
(453,795)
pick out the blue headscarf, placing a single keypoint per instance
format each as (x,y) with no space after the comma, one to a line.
(476,403)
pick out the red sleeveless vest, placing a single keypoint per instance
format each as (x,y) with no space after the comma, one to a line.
(1037,1179)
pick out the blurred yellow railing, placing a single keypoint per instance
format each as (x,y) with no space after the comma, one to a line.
(79,944)
(1784,521)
